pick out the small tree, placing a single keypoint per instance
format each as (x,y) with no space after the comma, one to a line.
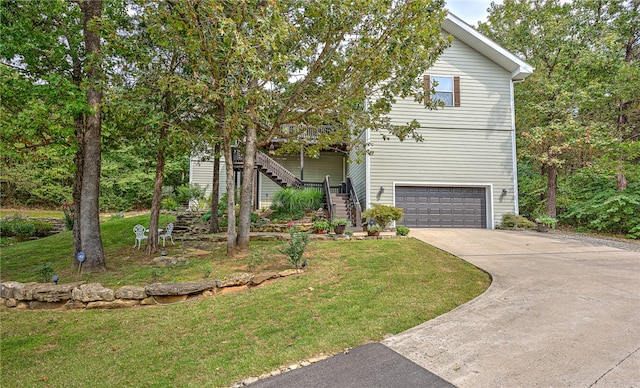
(383,214)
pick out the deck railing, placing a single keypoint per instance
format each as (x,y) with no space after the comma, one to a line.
(353,205)
(327,194)
(306,132)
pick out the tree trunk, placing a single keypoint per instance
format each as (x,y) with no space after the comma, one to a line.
(231,202)
(156,203)
(246,193)
(77,188)
(621,179)
(215,191)
(91,240)
(552,190)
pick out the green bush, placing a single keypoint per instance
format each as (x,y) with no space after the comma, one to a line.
(516,221)
(43,273)
(402,230)
(608,211)
(290,203)
(18,227)
(382,214)
(42,228)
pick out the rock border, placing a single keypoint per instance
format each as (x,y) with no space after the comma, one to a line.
(88,296)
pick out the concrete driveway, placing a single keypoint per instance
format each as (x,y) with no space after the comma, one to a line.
(558,313)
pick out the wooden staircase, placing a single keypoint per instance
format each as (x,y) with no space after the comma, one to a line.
(341,204)
(269,167)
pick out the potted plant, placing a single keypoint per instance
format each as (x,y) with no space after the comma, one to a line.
(545,222)
(340,224)
(374,230)
(321,227)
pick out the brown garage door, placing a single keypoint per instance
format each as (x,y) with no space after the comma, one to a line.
(442,207)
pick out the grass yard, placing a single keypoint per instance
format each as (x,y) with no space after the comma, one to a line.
(353,292)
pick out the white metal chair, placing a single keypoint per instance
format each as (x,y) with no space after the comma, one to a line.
(139,231)
(167,234)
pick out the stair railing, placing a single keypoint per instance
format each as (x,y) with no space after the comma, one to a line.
(327,194)
(265,162)
(353,205)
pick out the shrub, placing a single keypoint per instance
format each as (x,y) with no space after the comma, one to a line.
(607,211)
(21,228)
(42,228)
(547,221)
(190,192)
(294,247)
(67,210)
(516,221)
(340,221)
(321,225)
(44,272)
(402,230)
(383,214)
(291,203)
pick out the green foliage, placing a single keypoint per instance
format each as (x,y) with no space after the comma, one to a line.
(516,221)
(44,272)
(321,226)
(382,214)
(42,228)
(608,211)
(375,229)
(189,192)
(295,246)
(340,221)
(19,227)
(547,221)
(402,230)
(291,203)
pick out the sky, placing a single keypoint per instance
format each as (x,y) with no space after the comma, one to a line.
(471,11)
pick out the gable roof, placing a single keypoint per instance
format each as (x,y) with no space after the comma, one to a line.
(518,68)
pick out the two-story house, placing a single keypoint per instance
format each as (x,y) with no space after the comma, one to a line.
(464,172)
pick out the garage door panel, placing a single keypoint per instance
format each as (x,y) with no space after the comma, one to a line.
(444,207)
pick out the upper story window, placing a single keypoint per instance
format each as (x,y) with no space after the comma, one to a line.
(446,89)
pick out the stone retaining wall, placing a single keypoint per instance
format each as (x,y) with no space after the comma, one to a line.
(82,295)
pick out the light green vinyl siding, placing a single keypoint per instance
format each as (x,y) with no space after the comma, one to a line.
(470,145)
(484,94)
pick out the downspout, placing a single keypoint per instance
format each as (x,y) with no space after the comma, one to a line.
(516,205)
(367,171)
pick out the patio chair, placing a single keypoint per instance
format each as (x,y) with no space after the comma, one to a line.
(167,234)
(139,231)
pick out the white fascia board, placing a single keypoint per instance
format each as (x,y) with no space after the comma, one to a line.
(518,68)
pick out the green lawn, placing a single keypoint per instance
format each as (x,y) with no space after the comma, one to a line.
(352,292)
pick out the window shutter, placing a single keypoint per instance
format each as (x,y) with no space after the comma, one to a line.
(427,89)
(456,91)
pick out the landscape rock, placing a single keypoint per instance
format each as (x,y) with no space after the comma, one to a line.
(236,279)
(39,305)
(168,299)
(262,277)
(169,261)
(131,292)
(11,302)
(116,304)
(148,301)
(180,288)
(93,292)
(50,292)
(6,289)
(74,304)
(287,272)
(23,291)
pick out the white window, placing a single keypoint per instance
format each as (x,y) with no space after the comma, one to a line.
(445,89)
